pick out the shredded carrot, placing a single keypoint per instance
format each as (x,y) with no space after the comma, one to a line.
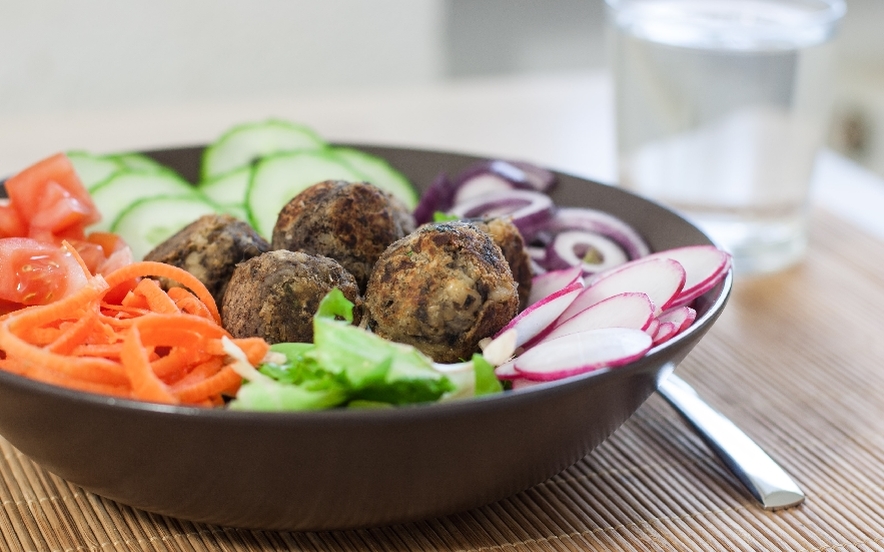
(67,308)
(188,302)
(73,334)
(216,384)
(162,270)
(157,299)
(135,301)
(199,372)
(151,344)
(145,383)
(178,362)
(101,350)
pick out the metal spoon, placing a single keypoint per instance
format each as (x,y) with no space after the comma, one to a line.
(763,477)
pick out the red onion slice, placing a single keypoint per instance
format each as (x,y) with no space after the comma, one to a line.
(480,185)
(528,209)
(591,251)
(598,222)
(539,178)
(437,197)
(517,175)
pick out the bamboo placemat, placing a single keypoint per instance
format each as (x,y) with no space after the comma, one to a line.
(796,360)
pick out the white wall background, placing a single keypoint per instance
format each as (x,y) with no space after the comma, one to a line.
(87,54)
(82,55)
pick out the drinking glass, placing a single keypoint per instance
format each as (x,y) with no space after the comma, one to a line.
(721,108)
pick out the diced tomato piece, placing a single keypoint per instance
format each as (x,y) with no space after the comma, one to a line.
(59,212)
(11,223)
(48,205)
(91,253)
(108,241)
(36,273)
(50,198)
(103,252)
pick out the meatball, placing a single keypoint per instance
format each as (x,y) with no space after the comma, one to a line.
(441,289)
(509,239)
(351,222)
(209,248)
(275,295)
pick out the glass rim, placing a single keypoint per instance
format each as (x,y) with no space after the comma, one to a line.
(829,11)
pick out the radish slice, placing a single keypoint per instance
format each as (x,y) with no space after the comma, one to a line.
(537,317)
(665,332)
(660,278)
(624,310)
(522,383)
(582,352)
(672,322)
(653,327)
(682,316)
(507,371)
(551,282)
(704,265)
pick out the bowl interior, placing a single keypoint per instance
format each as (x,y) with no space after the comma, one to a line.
(344,469)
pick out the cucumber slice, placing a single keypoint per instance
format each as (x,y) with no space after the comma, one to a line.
(93,169)
(279,178)
(230,188)
(139,162)
(148,222)
(238,211)
(115,194)
(379,172)
(243,144)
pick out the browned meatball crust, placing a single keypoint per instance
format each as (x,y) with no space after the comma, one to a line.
(442,289)
(351,222)
(507,236)
(209,248)
(276,294)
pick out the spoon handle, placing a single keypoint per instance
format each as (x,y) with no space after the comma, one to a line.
(763,477)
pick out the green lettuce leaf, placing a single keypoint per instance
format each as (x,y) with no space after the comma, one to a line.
(351,367)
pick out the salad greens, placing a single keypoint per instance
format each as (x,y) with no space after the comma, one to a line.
(347,366)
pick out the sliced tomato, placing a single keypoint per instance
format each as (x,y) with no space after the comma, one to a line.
(51,200)
(36,273)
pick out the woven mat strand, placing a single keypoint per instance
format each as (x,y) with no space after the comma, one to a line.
(796,361)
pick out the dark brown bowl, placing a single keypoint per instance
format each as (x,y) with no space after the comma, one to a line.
(344,468)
